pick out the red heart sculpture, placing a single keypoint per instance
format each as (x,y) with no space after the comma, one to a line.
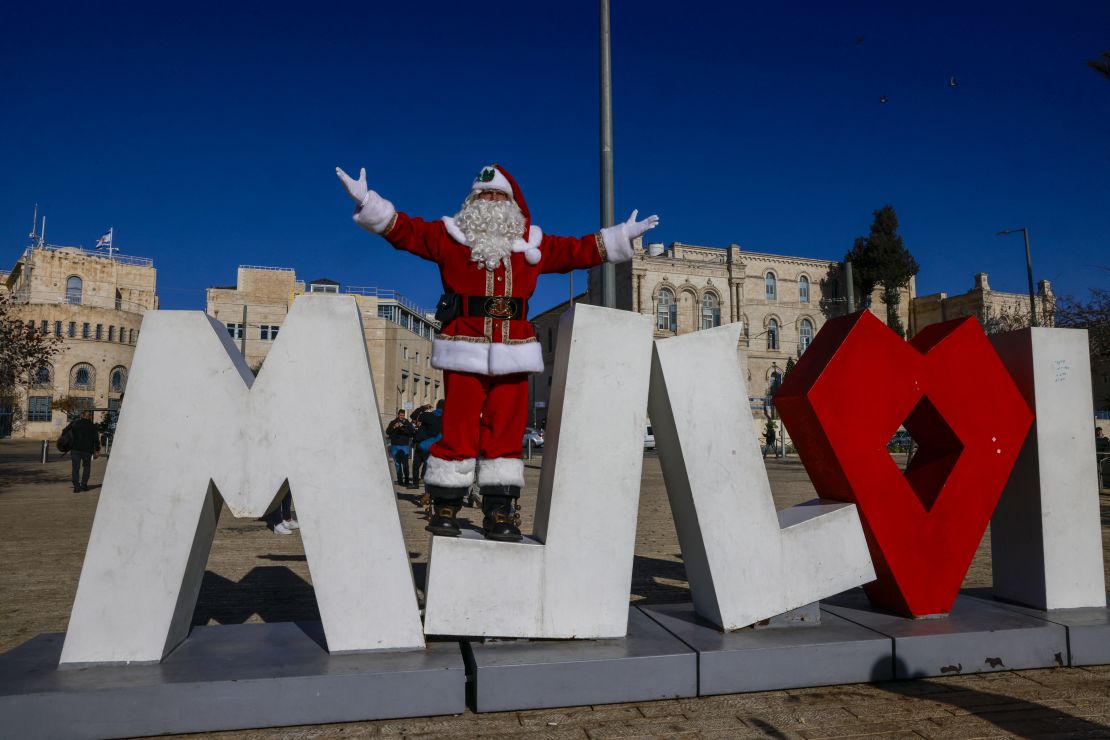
(848,394)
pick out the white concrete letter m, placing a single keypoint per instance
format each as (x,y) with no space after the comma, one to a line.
(196,430)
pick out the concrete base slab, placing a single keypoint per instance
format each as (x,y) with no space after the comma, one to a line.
(834,651)
(1088,627)
(648,664)
(975,637)
(224,678)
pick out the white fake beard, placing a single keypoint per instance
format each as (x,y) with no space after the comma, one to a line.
(490,228)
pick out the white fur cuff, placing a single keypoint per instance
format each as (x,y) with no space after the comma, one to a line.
(460,355)
(375,213)
(506,359)
(449,473)
(618,247)
(501,471)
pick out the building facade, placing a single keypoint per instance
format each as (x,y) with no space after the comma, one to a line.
(93,302)
(781,302)
(996,310)
(398,333)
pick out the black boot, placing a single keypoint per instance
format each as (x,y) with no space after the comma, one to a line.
(501,520)
(446,503)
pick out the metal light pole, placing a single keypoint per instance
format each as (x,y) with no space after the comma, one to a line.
(1028,270)
(608,272)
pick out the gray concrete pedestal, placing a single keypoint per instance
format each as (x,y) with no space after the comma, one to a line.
(224,678)
(648,664)
(833,651)
(1088,627)
(975,637)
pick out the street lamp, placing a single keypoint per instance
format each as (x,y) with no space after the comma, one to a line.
(1028,270)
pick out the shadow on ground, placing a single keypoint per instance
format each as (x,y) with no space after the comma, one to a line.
(273,592)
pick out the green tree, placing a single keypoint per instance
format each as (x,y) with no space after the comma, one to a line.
(880,258)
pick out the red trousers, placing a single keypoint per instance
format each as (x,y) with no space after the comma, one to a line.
(483,416)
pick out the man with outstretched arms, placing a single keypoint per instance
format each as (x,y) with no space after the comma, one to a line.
(490,256)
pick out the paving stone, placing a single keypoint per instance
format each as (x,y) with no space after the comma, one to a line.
(584,715)
(859,729)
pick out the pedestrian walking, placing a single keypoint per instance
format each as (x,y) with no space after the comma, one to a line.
(83,450)
(400,432)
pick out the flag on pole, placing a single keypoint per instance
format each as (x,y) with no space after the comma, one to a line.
(105,241)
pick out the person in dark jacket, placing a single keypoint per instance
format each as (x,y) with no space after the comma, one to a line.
(400,432)
(86,445)
(427,434)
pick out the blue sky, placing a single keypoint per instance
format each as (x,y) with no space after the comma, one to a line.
(207,134)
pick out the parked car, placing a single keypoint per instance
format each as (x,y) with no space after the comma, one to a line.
(535,435)
(649,439)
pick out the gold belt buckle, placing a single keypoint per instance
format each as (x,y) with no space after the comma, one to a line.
(500,308)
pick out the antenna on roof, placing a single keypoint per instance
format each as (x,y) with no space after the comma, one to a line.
(34,224)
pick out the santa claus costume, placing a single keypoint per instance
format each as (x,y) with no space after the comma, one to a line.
(486,347)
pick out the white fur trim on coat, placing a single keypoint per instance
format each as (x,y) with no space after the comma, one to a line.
(485,358)
(449,473)
(501,471)
(454,231)
(505,359)
(375,213)
(618,247)
(531,248)
(466,357)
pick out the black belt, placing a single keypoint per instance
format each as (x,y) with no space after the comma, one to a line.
(502,308)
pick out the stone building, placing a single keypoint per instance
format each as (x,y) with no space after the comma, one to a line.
(781,301)
(92,301)
(996,310)
(398,333)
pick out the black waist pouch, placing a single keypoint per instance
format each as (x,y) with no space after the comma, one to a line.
(448,308)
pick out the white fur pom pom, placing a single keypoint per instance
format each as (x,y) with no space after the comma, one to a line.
(532,256)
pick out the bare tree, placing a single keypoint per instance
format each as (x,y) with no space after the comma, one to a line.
(23,351)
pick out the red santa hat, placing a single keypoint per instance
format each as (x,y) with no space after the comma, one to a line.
(496,177)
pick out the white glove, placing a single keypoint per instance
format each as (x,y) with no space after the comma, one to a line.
(373,213)
(618,238)
(634,228)
(355,188)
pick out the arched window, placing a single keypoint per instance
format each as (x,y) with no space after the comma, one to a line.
(42,376)
(710,310)
(119,300)
(118,379)
(803,289)
(73,290)
(666,311)
(82,377)
(806,331)
(769,283)
(772,334)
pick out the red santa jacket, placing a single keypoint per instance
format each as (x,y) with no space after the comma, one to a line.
(490,346)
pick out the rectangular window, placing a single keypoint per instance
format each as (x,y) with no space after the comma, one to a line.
(57,328)
(132,336)
(38,408)
(72,329)
(122,335)
(235,330)
(44,327)
(111,333)
(100,331)
(85,330)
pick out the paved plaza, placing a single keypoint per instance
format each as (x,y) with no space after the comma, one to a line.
(254,575)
